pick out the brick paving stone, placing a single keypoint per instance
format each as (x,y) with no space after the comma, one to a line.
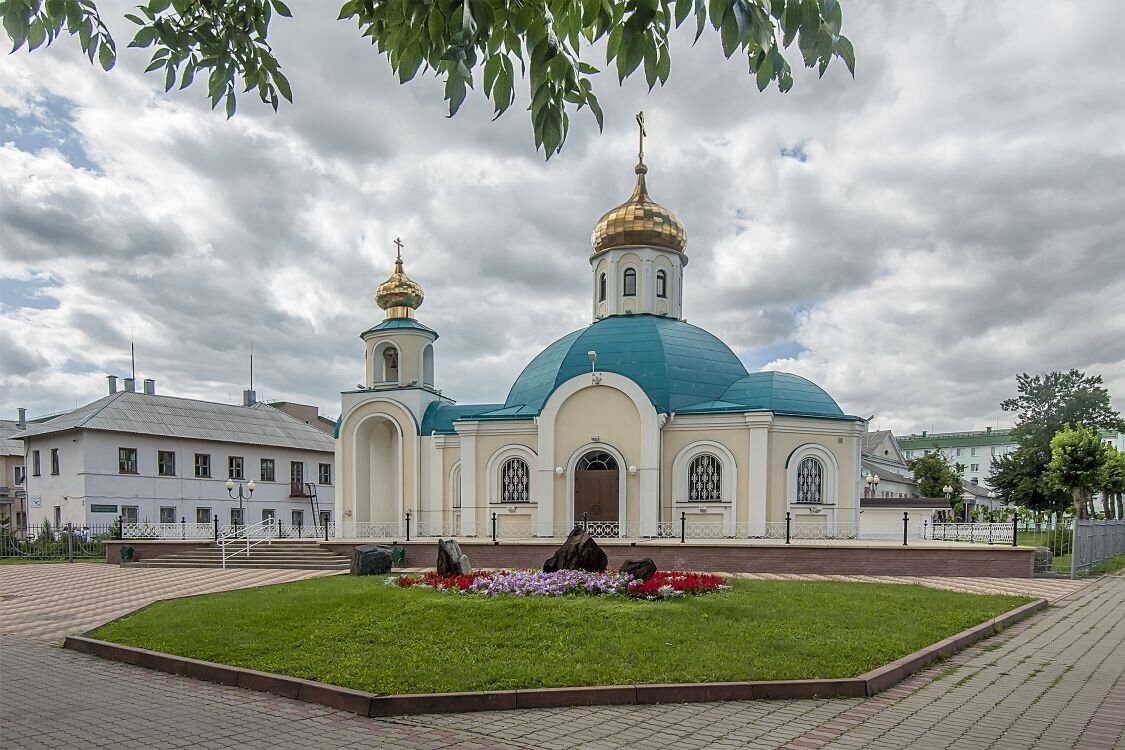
(1054,681)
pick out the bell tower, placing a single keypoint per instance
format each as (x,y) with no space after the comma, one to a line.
(400,352)
(639,254)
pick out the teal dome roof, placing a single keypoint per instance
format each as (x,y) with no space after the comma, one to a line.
(682,368)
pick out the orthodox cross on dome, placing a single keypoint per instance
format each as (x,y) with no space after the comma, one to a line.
(641,137)
(398,251)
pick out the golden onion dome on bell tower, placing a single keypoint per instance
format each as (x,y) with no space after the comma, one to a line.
(640,220)
(399,295)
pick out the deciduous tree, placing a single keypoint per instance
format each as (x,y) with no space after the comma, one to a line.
(1078,461)
(468,43)
(1113,485)
(932,472)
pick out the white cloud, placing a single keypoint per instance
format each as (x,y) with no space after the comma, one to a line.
(956,221)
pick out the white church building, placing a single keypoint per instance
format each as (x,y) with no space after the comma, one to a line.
(626,424)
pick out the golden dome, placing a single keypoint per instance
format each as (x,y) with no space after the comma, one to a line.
(399,295)
(640,221)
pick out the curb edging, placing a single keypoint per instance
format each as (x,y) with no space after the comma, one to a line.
(372,704)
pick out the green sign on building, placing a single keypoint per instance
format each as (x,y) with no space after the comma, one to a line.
(103,508)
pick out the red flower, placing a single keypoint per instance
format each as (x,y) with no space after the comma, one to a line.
(678,580)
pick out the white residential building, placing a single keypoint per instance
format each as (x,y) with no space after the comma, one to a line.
(161,459)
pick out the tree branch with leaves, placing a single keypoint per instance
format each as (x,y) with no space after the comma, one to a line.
(465,42)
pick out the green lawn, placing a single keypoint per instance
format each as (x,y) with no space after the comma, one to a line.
(360,633)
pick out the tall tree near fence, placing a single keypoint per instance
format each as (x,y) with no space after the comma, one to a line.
(1113,485)
(932,472)
(1078,462)
(1044,404)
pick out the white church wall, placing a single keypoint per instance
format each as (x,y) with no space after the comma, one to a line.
(838,438)
(362,494)
(724,436)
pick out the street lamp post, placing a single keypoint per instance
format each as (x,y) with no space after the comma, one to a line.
(872,483)
(240,496)
(948,492)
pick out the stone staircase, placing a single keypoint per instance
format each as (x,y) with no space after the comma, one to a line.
(279,555)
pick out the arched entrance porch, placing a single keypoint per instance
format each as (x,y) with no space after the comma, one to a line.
(597,492)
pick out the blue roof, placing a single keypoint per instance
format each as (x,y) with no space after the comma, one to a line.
(681,368)
(440,416)
(399,323)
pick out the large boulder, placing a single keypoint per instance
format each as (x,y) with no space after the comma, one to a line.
(371,559)
(641,570)
(578,552)
(450,560)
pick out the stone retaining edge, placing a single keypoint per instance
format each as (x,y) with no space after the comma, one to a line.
(372,704)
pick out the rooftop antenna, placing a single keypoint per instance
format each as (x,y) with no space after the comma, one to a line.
(251,365)
(132,356)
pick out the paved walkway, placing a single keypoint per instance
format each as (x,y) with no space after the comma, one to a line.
(1054,681)
(49,601)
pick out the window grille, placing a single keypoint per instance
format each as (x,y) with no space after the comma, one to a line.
(597,461)
(810,481)
(167,514)
(515,482)
(705,479)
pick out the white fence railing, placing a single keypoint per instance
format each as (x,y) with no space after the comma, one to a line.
(990,533)
(167,531)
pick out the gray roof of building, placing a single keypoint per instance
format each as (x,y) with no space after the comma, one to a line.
(887,472)
(9,446)
(169,416)
(871,440)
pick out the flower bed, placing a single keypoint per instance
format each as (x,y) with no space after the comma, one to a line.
(664,585)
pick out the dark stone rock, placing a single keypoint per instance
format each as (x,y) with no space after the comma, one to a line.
(642,570)
(578,552)
(450,560)
(371,559)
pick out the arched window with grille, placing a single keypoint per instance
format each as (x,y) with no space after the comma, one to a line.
(661,284)
(515,481)
(810,481)
(601,288)
(630,282)
(705,479)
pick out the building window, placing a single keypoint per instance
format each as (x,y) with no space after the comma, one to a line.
(268,514)
(167,515)
(995,450)
(959,451)
(630,285)
(234,467)
(203,515)
(203,465)
(18,474)
(705,479)
(267,470)
(661,284)
(236,516)
(54,460)
(596,461)
(324,473)
(974,451)
(126,460)
(296,472)
(810,481)
(130,514)
(35,466)
(166,463)
(298,518)
(58,516)
(601,288)
(908,454)
(515,482)
(974,467)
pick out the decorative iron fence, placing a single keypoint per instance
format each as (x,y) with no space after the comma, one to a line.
(989,533)
(67,542)
(1095,541)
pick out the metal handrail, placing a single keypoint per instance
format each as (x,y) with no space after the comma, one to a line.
(233,534)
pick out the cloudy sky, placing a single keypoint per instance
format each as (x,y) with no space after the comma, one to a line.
(910,239)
